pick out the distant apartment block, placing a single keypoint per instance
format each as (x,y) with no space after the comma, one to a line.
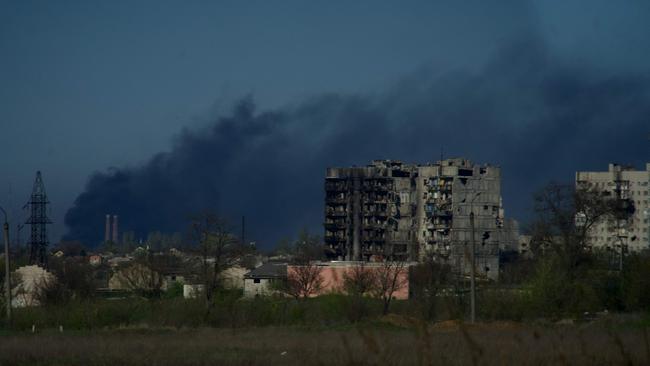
(622,182)
(392,210)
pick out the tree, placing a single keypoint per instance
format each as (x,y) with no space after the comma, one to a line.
(305,248)
(303,280)
(565,216)
(73,279)
(139,277)
(219,250)
(427,280)
(308,247)
(389,278)
(568,273)
(359,280)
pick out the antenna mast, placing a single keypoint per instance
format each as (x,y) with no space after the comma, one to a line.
(38,222)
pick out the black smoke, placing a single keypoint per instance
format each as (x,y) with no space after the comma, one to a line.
(536,116)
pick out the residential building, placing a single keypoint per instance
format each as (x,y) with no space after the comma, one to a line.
(261,280)
(396,211)
(625,183)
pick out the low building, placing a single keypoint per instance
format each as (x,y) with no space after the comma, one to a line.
(261,281)
(333,275)
(192,291)
(172,277)
(95,260)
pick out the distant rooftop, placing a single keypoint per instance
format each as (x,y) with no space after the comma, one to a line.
(268,270)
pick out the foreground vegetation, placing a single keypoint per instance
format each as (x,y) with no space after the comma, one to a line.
(567,303)
(390,340)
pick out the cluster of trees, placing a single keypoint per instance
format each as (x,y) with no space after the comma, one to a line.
(305,280)
(568,274)
(565,276)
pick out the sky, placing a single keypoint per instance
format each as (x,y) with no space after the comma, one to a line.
(154,109)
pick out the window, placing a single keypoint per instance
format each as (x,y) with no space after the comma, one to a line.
(256,280)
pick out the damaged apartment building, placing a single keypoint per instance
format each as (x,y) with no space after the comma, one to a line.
(622,183)
(396,211)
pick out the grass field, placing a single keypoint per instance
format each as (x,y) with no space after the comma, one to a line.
(393,341)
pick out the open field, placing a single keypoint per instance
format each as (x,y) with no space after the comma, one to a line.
(390,342)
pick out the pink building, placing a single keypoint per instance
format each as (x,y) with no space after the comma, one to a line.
(332,274)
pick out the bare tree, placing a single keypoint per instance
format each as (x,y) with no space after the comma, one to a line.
(389,278)
(304,280)
(219,250)
(359,280)
(427,279)
(140,278)
(567,214)
(358,283)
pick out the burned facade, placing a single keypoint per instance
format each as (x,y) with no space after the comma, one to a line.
(404,211)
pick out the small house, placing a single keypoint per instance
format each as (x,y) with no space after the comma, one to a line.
(262,280)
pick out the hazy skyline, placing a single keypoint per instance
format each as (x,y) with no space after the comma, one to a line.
(88,85)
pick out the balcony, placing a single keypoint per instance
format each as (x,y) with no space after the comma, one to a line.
(336,213)
(336,186)
(375,226)
(373,239)
(336,200)
(332,239)
(442,213)
(335,226)
(375,213)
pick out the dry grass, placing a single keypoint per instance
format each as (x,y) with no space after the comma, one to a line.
(447,343)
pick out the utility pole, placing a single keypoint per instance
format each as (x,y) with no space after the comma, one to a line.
(473,260)
(473,270)
(243,230)
(5,229)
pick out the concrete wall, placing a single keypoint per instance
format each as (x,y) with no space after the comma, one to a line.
(333,277)
(259,287)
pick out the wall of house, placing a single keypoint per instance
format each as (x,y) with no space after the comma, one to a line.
(333,274)
(257,287)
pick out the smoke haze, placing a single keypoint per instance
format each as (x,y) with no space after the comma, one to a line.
(536,116)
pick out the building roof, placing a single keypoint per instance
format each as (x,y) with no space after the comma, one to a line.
(268,270)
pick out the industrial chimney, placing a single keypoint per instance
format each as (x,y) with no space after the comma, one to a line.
(115,231)
(107,229)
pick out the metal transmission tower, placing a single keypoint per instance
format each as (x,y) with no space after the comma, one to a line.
(38,221)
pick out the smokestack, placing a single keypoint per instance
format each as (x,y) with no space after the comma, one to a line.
(115,236)
(107,229)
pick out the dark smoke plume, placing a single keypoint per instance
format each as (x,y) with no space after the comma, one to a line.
(538,118)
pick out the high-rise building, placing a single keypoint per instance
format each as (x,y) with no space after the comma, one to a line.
(405,211)
(626,183)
